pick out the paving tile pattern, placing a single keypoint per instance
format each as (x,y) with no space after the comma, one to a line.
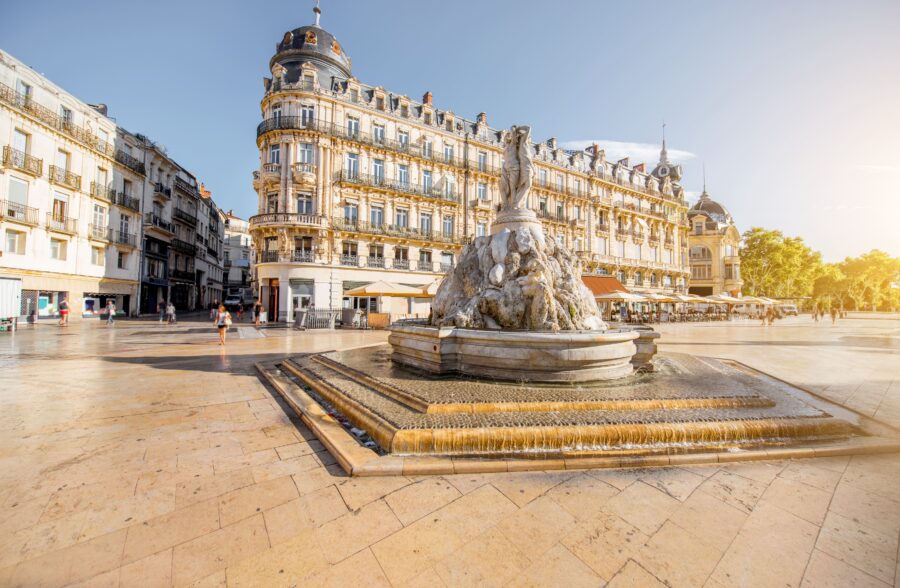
(137,460)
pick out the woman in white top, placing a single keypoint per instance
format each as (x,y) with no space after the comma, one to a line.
(223,321)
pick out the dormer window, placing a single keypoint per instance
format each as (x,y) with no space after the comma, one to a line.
(309,82)
(404,110)
(379,102)
(427,118)
(354,95)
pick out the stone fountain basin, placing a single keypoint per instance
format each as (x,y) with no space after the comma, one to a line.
(533,356)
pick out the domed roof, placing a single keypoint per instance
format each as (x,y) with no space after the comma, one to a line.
(315,45)
(712,209)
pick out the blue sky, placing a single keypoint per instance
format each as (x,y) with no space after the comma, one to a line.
(793,106)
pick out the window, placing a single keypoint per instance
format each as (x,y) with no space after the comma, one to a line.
(427,148)
(60,206)
(376,251)
(425,222)
(481,229)
(354,95)
(559,182)
(638,279)
(427,118)
(378,134)
(449,186)
(305,153)
(402,217)
(653,280)
(271,203)
(304,204)
(620,275)
(122,260)
(577,186)
(379,102)
(65,115)
(543,178)
(403,136)
(424,256)
(58,249)
(448,153)
(18,195)
(482,191)
(578,246)
(601,245)
(403,174)
(307,115)
(126,187)
(348,249)
(352,166)
(560,211)
(700,272)
(376,216)
(698,228)
(352,126)
(276,112)
(482,161)
(309,82)
(404,110)
(274,153)
(62,159)
(23,90)
(448,226)
(351,212)
(667,281)
(20,141)
(378,170)
(576,212)
(97,256)
(542,205)
(426,180)
(446,261)
(124,224)
(560,241)
(621,248)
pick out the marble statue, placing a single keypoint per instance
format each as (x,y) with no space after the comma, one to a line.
(516,278)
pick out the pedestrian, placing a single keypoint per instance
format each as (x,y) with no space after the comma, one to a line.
(170,313)
(770,316)
(815,312)
(257,311)
(161,309)
(821,314)
(64,313)
(110,313)
(222,322)
(834,313)
(240,311)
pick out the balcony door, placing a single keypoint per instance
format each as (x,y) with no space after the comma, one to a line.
(304,204)
(20,141)
(60,206)
(378,171)
(352,167)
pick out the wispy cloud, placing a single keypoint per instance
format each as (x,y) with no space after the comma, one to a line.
(639,152)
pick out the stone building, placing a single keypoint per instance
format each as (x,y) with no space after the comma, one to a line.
(70,192)
(238,271)
(714,242)
(357,184)
(91,212)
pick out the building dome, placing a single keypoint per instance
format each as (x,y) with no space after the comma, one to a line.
(711,209)
(311,44)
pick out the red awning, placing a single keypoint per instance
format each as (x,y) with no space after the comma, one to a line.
(603,284)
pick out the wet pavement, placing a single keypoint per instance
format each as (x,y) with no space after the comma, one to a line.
(145,454)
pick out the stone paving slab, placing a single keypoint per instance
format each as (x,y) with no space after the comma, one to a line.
(119,458)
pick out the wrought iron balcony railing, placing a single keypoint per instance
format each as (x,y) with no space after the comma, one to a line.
(377,181)
(182,274)
(127,201)
(99,232)
(185,186)
(105,192)
(185,216)
(164,191)
(131,162)
(13,211)
(61,223)
(184,247)
(64,177)
(286,218)
(22,161)
(123,237)
(558,217)
(358,226)
(155,220)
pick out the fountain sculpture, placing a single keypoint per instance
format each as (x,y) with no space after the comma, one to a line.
(514,307)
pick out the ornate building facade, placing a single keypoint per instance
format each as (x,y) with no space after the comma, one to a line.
(357,184)
(714,243)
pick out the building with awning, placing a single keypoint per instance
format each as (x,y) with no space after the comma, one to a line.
(599,285)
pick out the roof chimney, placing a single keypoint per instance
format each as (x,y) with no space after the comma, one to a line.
(595,149)
(426,99)
(101,108)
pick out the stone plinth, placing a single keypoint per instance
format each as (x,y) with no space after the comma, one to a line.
(571,356)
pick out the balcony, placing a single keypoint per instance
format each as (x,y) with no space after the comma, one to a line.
(389,185)
(182,275)
(155,221)
(63,177)
(669,242)
(653,240)
(603,228)
(557,217)
(375,261)
(480,204)
(123,238)
(19,213)
(61,224)
(124,200)
(99,232)
(185,216)
(162,191)
(400,232)
(302,256)
(185,187)
(15,159)
(103,192)
(304,168)
(267,257)
(212,252)
(637,236)
(290,219)
(184,247)
(27,104)
(352,260)
(131,163)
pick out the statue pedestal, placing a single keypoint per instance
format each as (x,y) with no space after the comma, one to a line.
(513,219)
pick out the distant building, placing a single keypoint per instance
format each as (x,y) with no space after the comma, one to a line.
(358,184)
(238,271)
(714,242)
(90,212)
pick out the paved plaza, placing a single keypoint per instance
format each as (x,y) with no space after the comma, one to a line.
(145,455)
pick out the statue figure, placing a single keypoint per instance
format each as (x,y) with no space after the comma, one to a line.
(517,173)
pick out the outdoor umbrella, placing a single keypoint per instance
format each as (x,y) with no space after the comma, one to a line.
(382,288)
(620,297)
(429,290)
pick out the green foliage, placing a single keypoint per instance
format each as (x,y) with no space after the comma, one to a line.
(869,279)
(778,266)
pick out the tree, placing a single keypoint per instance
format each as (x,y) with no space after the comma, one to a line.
(869,279)
(830,288)
(778,266)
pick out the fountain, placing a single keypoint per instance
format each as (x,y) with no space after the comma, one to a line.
(514,307)
(516,370)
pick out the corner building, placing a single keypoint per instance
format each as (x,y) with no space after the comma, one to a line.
(714,243)
(357,184)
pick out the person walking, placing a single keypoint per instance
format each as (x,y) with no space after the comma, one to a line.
(161,309)
(257,311)
(170,313)
(815,312)
(222,322)
(834,314)
(63,313)
(110,313)
(240,312)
